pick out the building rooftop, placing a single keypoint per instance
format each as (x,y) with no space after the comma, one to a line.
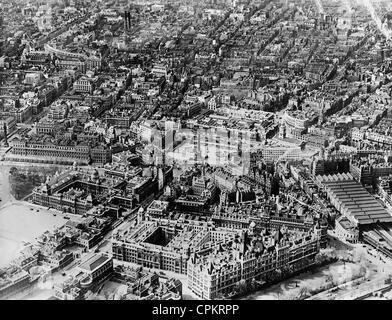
(354,198)
(93,262)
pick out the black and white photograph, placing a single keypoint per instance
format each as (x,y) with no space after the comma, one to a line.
(200,150)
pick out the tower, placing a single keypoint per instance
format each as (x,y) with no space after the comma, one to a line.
(5,135)
(127,20)
(282,129)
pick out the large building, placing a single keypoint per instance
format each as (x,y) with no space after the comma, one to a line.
(85,85)
(7,126)
(93,270)
(352,200)
(47,150)
(75,191)
(13,280)
(248,258)
(166,245)
(96,267)
(368,172)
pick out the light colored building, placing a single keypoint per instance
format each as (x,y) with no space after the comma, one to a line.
(346,230)
(96,267)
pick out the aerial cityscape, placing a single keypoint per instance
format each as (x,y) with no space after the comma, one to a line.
(195,150)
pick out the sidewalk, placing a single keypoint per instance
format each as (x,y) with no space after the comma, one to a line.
(356,291)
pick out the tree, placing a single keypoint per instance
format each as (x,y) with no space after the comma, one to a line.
(242,287)
(107,295)
(319,258)
(289,296)
(359,256)
(362,270)
(329,278)
(303,293)
(13,170)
